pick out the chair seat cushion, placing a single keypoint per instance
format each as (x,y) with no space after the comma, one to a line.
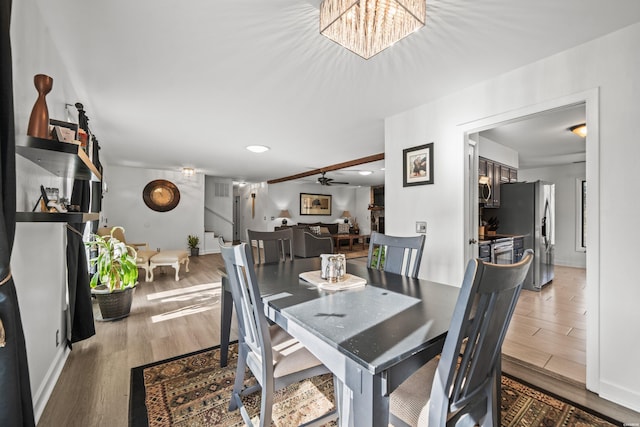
(297,356)
(144,256)
(410,401)
(168,256)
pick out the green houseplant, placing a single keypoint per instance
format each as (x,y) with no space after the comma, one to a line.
(116,275)
(193,242)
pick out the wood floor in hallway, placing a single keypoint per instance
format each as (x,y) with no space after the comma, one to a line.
(548,328)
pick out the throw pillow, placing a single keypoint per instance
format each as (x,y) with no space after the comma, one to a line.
(324,230)
(315,229)
(343,228)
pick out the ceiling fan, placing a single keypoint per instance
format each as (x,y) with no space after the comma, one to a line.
(328,181)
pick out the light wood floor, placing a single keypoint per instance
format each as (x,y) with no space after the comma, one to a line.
(171,318)
(548,328)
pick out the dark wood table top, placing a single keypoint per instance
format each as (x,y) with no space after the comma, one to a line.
(379,325)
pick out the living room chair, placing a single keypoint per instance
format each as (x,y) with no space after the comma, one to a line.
(463,386)
(274,357)
(143,253)
(274,244)
(400,255)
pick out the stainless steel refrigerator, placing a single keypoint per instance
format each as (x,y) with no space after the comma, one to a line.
(528,209)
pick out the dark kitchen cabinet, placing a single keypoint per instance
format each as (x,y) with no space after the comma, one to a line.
(496,173)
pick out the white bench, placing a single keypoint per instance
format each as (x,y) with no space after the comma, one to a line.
(171,259)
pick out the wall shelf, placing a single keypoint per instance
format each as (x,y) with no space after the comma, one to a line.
(73,217)
(62,159)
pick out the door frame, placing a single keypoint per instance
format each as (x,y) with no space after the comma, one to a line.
(591,100)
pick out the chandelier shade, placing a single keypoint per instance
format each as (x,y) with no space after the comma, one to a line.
(367,27)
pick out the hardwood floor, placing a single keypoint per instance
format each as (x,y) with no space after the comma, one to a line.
(170,318)
(548,328)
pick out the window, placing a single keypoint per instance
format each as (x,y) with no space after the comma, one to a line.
(581,215)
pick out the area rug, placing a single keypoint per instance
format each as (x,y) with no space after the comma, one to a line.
(192,390)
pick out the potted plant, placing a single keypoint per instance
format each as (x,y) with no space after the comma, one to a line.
(193,245)
(116,275)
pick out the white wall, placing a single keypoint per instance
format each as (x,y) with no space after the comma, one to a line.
(361,212)
(564,177)
(286,195)
(123,205)
(497,152)
(41,291)
(611,64)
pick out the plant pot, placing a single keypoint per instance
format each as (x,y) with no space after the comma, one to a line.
(195,251)
(113,305)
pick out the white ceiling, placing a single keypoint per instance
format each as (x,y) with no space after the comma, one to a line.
(544,139)
(173,84)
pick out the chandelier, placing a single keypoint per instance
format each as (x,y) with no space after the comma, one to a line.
(367,27)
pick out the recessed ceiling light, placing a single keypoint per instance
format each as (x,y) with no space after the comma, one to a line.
(365,172)
(257,148)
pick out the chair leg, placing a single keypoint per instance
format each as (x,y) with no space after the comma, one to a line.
(239,381)
(266,407)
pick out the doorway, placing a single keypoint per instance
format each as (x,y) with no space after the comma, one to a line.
(476,132)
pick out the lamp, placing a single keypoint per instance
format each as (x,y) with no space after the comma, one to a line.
(366,27)
(580,130)
(346,215)
(284,214)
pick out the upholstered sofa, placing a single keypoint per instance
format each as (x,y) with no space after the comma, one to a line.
(307,244)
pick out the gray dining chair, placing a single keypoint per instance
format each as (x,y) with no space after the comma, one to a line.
(462,387)
(400,255)
(274,357)
(276,245)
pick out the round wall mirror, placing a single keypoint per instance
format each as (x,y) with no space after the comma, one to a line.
(161,195)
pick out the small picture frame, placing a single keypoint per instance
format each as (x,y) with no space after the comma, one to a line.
(417,165)
(315,204)
(64,131)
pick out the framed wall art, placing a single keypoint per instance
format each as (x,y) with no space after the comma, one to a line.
(417,165)
(315,204)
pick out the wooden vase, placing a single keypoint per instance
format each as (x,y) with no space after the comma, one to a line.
(39,120)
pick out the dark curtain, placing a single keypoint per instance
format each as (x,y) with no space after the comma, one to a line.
(16,407)
(80,307)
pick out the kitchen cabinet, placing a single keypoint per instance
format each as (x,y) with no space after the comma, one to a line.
(497,174)
(65,160)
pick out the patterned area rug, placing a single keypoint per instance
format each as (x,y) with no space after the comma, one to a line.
(192,390)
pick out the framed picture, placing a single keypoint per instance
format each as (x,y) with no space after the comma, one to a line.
(64,131)
(417,165)
(315,204)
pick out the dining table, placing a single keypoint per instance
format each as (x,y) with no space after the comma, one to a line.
(371,337)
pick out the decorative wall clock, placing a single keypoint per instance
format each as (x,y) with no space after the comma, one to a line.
(161,195)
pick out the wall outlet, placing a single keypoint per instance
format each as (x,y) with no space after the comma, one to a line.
(421,227)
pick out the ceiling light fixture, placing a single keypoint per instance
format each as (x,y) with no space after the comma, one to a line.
(257,148)
(580,130)
(366,27)
(365,173)
(188,172)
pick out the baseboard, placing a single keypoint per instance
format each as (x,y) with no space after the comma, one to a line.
(42,395)
(620,395)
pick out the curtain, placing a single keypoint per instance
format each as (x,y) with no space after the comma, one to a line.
(16,407)
(80,307)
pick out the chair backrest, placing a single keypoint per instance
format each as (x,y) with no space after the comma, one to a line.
(252,323)
(118,233)
(274,244)
(400,255)
(468,365)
